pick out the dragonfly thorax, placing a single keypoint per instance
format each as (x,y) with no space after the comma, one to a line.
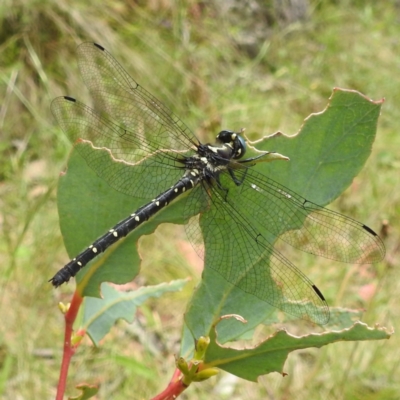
(210,160)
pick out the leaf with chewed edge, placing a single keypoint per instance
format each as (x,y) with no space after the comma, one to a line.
(325,155)
(100,315)
(270,355)
(88,207)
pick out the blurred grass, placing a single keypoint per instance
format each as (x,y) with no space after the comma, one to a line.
(216,69)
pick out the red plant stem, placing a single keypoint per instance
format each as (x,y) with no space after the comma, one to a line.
(69,349)
(174,388)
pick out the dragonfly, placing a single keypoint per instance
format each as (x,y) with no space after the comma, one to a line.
(156,156)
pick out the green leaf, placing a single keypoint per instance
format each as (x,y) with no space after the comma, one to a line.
(329,150)
(214,298)
(327,153)
(99,315)
(88,391)
(270,355)
(88,207)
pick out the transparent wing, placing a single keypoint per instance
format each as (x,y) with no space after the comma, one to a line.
(121,98)
(136,128)
(143,171)
(239,224)
(236,250)
(304,225)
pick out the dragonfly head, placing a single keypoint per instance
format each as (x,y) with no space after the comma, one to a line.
(233,140)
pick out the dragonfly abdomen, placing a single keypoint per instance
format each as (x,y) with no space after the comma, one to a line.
(123,228)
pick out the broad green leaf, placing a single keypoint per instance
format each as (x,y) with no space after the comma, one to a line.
(99,315)
(270,355)
(329,150)
(326,154)
(88,207)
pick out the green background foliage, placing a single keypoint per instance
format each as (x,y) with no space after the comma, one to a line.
(264,67)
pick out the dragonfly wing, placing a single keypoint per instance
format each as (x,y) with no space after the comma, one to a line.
(302,224)
(138,169)
(117,95)
(246,259)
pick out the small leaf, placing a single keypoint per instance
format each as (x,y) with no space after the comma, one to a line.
(88,391)
(99,315)
(270,355)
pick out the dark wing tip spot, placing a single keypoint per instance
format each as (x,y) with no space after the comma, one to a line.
(69,99)
(316,290)
(99,47)
(368,229)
